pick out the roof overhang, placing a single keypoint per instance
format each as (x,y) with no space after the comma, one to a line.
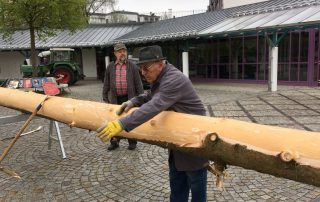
(91,36)
(285,20)
(61,49)
(161,37)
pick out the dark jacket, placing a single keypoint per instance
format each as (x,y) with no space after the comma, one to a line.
(109,93)
(171,91)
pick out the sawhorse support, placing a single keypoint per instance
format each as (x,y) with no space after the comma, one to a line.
(56,125)
(23,117)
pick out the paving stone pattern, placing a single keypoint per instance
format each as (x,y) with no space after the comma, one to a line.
(91,173)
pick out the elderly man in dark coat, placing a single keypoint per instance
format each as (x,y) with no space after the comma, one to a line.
(121,82)
(170,90)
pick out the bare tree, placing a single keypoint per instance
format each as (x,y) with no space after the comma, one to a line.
(94,5)
(215,5)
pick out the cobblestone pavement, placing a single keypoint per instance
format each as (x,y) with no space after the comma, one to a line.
(91,173)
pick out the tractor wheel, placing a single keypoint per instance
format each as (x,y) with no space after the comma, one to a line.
(75,78)
(65,75)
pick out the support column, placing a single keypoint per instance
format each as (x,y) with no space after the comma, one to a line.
(107,61)
(273,60)
(274,69)
(269,67)
(311,56)
(185,63)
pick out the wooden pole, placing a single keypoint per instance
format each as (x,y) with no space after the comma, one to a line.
(282,152)
(25,125)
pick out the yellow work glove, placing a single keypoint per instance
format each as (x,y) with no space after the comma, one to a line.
(109,130)
(125,107)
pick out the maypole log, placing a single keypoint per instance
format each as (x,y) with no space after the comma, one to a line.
(282,152)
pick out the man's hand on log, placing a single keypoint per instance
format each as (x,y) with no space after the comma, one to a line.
(109,130)
(125,107)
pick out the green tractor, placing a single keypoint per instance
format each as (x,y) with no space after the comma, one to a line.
(57,62)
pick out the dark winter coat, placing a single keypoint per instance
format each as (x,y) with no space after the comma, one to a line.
(171,91)
(135,88)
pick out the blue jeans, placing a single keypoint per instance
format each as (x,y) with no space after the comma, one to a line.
(182,181)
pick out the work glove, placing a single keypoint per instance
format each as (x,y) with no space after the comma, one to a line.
(109,130)
(125,107)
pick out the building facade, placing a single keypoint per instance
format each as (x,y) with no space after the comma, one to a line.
(246,59)
(122,17)
(227,45)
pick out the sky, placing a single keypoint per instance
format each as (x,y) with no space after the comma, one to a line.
(147,6)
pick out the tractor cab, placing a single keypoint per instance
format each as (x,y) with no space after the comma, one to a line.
(57,62)
(61,55)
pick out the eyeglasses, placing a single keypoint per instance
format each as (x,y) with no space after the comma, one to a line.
(146,67)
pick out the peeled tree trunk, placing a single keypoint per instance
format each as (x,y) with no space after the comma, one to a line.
(282,152)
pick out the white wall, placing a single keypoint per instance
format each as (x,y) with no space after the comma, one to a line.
(97,19)
(126,17)
(10,64)
(233,3)
(132,17)
(89,63)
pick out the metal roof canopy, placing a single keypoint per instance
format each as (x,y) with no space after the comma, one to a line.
(91,36)
(62,49)
(298,18)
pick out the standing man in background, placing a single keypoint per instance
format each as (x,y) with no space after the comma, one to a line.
(173,91)
(121,83)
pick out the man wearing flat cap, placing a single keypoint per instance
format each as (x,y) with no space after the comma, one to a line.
(170,90)
(121,82)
